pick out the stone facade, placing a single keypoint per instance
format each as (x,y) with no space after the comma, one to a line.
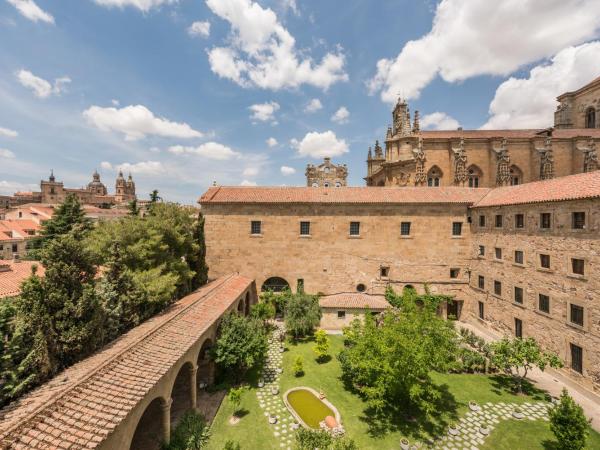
(563,288)
(489,158)
(326,174)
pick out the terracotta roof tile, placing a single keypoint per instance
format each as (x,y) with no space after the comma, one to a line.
(354,300)
(78,407)
(572,187)
(356,195)
(10,280)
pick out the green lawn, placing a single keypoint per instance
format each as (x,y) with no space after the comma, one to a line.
(254,433)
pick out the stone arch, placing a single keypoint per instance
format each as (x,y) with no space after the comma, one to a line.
(183,392)
(516,175)
(150,432)
(275,284)
(590,117)
(205,376)
(475,175)
(434,177)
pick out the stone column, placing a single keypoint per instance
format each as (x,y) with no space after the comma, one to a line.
(211,373)
(166,420)
(193,386)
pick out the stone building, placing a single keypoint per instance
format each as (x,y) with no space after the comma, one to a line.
(326,174)
(339,310)
(489,158)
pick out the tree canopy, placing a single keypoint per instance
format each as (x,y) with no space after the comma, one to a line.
(302,313)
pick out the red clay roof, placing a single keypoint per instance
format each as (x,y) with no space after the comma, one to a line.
(81,406)
(572,187)
(358,195)
(354,300)
(10,281)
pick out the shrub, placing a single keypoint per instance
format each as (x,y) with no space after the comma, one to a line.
(298,367)
(568,423)
(235,397)
(311,439)
(190,434)
(231,445)
(263,311)
(321,348)
(302,314)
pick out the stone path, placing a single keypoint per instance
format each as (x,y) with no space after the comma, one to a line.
(273,404)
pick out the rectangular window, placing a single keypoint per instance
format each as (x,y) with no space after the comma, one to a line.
(498,252)
(481,282)
(482,221)
(544,303)
(300,285)
(341,314)
(255,227)
(384,272)
(518,328)
(354,228)
(578,220)
(15,248)
(576,314)
(545,221)
(497,287)
(519,256)
(481,311)
(519,220)
(545,261)
(481,250)
(305,228)
(405,228)
(576,358)
(519,295)
(456,228)
(454,273)
(498,220)
(578,266)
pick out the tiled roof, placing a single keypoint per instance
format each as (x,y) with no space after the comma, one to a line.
(357,195)
(10,280)
(354,300)
(572,187)
(510,134)
(81,406)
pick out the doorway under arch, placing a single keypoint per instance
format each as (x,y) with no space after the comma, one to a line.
(150,433)
(182,393)
(275,284)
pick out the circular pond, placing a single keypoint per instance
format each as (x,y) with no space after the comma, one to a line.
(308,409)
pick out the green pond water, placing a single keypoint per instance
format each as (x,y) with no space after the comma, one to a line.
(309,407)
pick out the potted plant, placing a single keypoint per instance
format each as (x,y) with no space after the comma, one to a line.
(518,413)
(261,383)
(473,406)
(484,429)
(453,429)
(280,370)
(295,425)
(272,419)
(404,444)
(274,390)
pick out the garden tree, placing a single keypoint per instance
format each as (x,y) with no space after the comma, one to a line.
(197,261)
(568,423)
(68,216)
(298,367)
(191,433)
(516,355)
(133,208)
(302,314)
(322,440)
(242,343)
(389,361)
(263,311)
(235,398)
(321,348)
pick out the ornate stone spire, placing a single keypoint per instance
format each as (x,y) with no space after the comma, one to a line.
(378,151)
(502,164)
(419,154)
(460,163)
(546,160)
(389,133)
(369,155)
(51,178)
(416,126)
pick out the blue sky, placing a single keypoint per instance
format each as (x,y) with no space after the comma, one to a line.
(130,84)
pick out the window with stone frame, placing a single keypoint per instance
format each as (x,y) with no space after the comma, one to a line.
(454,272)
(519,220)
(518,295)
(256,227)
(481,282)
(576,314)
(497,287)
(578,266)
(576,358)
(590,118)
(498,221)
(456,228)
(544,261)
(498,253)
(482,250)
(354,228)
(482,221)
(405,228)
(519,257)
(305,228)
(544,303)
(518,328)
(384,272)
(341,314)
(545,221)
(481,310)
(578,220)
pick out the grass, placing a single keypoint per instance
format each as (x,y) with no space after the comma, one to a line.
(254,433)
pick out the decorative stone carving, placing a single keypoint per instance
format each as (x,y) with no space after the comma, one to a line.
(546,160)
(590,158)
(460,164)
(326,174)
(403,179)
(502,164)
(378,151)
(419,154)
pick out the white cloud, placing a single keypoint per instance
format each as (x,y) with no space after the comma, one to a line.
(341,115)
(319,145)
(4,153)
(481,37)
(30,10)
(289,5)
(115,102)
(143,168)
(136,122)
(210,150)
(439,121)
(264,112)
(530,102)
(313,106)
(143,5)
(261,52)
(248,183)
(7,132)
(199,29)
(106,165)
(272,142)
(10,187)
(250,172)
(40,87)
(285,170)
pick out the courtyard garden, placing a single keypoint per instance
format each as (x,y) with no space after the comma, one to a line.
(449,409)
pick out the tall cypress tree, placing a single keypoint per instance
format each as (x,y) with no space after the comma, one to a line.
(67,217)
(198,261)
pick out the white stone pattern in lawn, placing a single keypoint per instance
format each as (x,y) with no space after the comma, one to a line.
(468,436)
(272,404)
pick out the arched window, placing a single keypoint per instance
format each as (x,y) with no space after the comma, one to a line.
(434,177)
(315,184)
(590,118)
(275,284)
(516,176)
(474,173)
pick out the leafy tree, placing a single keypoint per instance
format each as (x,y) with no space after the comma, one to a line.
(197,261)
(262,311)
(321,348)
(69,216)
(154,197)
(302,314)
(568,423)
(191,433)
(389,361)
(312,439)
(133,208)
(235,397)
(514,355)
(298,367)
(241,345)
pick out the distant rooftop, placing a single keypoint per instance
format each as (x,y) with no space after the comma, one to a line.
(13,273)
(354,300)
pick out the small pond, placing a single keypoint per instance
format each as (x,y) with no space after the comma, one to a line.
(305,404)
